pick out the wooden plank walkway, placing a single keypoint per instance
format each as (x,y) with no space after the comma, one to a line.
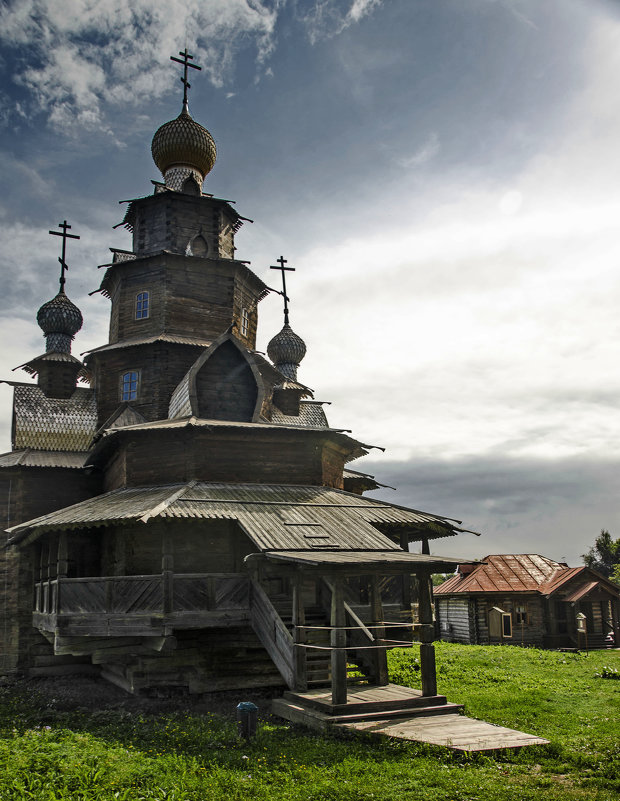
(457,732)
(402,713)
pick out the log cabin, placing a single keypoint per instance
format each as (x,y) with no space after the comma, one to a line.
(527,599)
(180,516)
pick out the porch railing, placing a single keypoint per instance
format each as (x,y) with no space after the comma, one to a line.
(161,593)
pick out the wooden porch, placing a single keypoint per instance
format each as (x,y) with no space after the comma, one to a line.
(135,606)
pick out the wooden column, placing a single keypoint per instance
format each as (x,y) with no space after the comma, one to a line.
(167,571)
(299,635)
(405,598)
(338,643)
(427,635)
(62,568)
(376,609)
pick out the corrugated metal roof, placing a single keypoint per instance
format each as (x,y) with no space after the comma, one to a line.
(560,577)
(381,559)
(503,573)
(32,458)
(198,422)
(508,573)
(275,517)
(177,339)
(53,424)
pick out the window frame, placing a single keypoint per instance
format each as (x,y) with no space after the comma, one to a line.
(245,322)
(139,309)
(124,384)
(521,612)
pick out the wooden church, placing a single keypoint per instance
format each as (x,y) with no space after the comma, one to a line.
(180,516)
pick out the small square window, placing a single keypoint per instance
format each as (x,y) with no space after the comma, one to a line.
(245,322)
(129,385)
(142,305)
(521,614)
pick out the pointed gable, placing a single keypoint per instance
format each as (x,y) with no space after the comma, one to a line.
(223,384)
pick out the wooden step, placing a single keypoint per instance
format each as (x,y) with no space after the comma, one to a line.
(323,704)
(411,712)
(297,713)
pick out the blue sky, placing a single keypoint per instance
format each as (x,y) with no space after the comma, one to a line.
(443,174)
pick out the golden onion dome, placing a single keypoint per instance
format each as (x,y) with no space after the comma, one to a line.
(183,142)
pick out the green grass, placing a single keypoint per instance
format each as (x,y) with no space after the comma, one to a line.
(53,749)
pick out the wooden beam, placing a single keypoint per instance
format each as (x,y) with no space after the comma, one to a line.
(376,610)
(427,635)
(338,643)
(167,571)
(299,635)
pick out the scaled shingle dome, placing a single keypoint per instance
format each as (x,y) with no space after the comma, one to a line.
(183,142)
(286,350)
(60,316)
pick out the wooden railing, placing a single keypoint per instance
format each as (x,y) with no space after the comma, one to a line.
(273,634)
(168,592)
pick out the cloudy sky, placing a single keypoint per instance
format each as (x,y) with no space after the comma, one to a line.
(443,175)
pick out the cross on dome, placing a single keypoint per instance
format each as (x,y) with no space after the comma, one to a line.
(185,62)
(63,264)
(282,261)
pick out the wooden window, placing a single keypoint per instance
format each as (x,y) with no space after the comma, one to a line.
(506,625)
(521,617)
(142,305)
(245,322)
(129,385)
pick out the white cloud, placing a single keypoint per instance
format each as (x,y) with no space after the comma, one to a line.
(329,18)
(110,51)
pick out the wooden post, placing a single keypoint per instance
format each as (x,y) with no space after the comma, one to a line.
(376,610)
(338,642)
(405,600)
(427,635)
(299,635)
(62,568)
(167,572)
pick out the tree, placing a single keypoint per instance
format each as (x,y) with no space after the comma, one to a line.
(604,556)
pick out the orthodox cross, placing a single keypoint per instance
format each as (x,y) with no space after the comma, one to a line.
(282,261)
(63,265)
(185,61)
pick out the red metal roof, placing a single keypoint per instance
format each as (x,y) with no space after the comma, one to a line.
(504,573)
(525,572)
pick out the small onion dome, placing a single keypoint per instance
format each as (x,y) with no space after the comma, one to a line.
(183,142)
(286,350)
(60,321)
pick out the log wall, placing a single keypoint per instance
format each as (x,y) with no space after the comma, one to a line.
(26,493)
(237,456)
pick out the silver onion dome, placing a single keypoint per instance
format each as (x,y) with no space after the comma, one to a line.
(286,350)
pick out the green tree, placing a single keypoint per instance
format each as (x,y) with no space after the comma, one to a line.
(604,556)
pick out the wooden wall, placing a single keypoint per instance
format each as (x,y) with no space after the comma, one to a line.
(256,455)
(162,365)
(189,296)
(202,661)
(196,546)
(226,387)
(466,619)
(172,221)
(26,493)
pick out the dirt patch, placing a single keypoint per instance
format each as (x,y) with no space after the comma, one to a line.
(89,693)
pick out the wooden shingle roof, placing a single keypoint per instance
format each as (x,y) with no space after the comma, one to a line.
(53,424)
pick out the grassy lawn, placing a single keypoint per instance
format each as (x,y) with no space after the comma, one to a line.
(83,740)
